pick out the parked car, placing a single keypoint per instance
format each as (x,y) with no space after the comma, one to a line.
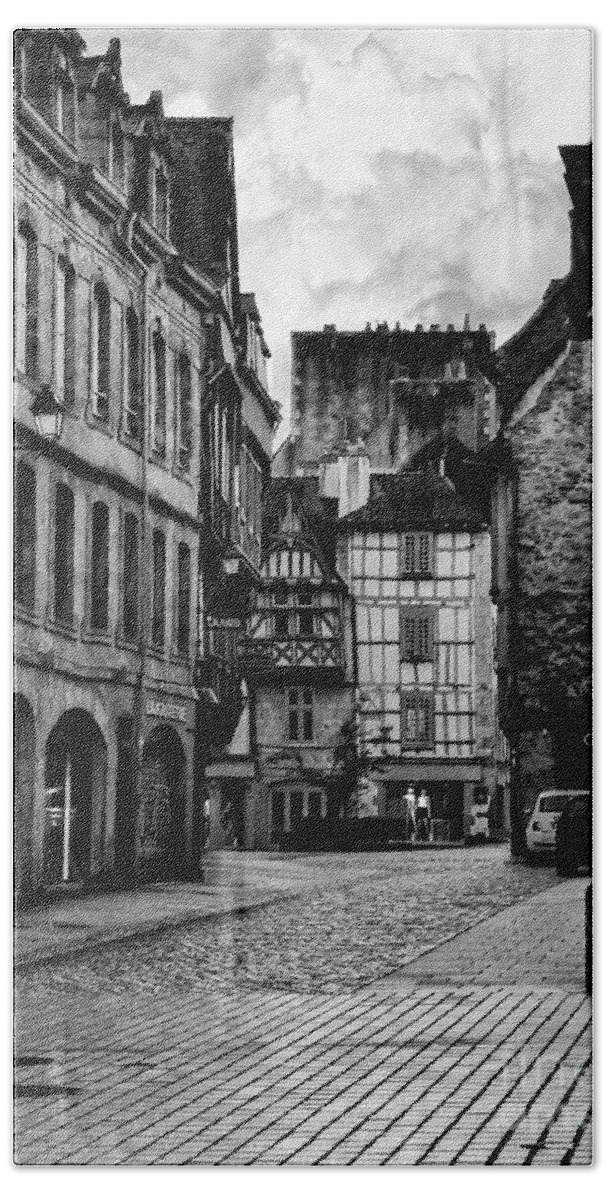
(573,836)
(541,828)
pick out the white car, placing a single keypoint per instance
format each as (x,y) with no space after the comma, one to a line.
(540,831)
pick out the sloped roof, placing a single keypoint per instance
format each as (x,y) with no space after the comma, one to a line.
(318,517)
(419,500)
(532,349)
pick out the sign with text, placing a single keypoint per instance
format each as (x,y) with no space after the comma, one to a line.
(165,708)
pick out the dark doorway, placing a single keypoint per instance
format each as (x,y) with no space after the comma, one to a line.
(75,784)
(161,852)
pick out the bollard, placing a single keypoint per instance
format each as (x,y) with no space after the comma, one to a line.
(588,940)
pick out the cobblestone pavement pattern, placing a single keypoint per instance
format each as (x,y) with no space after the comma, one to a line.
(176,1049)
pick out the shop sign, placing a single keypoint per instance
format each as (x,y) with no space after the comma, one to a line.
(166,709)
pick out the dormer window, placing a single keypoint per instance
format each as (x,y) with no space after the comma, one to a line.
(184,411)
(159,393)
(117,155)
(65,100)
(161,201)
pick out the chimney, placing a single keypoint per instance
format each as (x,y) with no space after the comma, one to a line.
(353,482)
(467,323)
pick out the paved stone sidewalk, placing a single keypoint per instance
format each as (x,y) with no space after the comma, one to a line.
(538,942)
(439,1075)
(400,1072)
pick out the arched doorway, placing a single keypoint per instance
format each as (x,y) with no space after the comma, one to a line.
(125,828)
(161,852)
(75,785)
(24,751)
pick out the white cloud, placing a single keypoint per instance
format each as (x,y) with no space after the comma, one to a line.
(405,174)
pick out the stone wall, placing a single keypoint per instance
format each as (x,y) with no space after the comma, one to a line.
(552,450)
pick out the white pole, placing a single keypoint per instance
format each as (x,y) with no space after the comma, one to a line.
(67,813)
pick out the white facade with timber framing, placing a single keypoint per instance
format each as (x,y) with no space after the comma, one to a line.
(424,652)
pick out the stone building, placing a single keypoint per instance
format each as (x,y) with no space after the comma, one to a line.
(541,472)
(126,348)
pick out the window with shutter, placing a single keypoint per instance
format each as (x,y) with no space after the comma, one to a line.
(64,554)
(26,301)
(417,724)
(184,411)
(158,588)
(159,413)
(183,598)
(133,398)
(416,555)
(65,341)
(99,566)
(130,602)
(300,710)
(25,536)
(416,634)
(100,352)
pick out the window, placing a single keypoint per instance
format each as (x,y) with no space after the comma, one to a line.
(306,615)
(417,726)
(225,455)
(289,808)
(117,155)
(159,440)
(25,536)
(300,706)
(64,554)
(158,588)
(183,598)
(26,302)
(65,107)
(133,397)
(415,555)
(281,614)
(99,566)
(100,352)
(184,411)
(65,339)
(130,577)
(251,504)
(161,202)
(416,634)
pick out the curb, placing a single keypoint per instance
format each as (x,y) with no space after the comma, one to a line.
(147,929)
(401,971)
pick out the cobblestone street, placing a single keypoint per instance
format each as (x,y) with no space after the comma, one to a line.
(317,1029)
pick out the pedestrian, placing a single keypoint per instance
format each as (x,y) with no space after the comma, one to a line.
(410,802)
(423,824)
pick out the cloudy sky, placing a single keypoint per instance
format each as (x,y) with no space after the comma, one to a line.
(404,175)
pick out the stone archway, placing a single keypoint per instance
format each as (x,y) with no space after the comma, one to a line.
(161,850)
(75,787)
(24,758)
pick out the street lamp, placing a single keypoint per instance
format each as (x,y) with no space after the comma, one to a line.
(48,414)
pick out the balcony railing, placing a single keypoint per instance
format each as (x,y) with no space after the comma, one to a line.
(305,654)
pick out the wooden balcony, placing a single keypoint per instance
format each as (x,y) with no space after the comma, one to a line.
(308,658)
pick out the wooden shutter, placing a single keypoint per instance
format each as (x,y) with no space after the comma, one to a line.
(407,555)
(416,634)
(415,555)
(425,635)
(423,564)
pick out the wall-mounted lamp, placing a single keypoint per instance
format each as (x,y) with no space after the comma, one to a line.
(48,414)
